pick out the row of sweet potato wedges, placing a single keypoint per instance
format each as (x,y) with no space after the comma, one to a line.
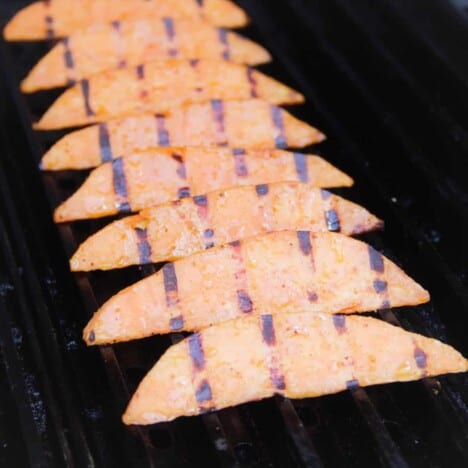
(189,138)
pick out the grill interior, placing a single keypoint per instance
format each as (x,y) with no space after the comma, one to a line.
(391,96)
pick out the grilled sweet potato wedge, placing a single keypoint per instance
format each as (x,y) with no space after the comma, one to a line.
(239,124)
(130,43)
(173,231)
(297,355)
(158,87)
(157,176)
(275,272)
(51,19)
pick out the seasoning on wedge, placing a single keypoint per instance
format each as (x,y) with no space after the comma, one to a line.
(160,175)
(276,272)
(158,87)
(240,124)
(130,43)
(171,231)
(298,355)
(51,19)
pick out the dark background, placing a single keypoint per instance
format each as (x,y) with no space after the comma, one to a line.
(387,82)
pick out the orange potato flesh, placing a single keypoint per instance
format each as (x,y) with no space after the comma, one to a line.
(159,86)
(160,175)
(173,231)
(275,272)
(59,18)
(130,43)
(246,124)
(298,355)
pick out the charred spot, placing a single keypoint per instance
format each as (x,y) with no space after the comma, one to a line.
(380,286)
(277,379)
(420,357)
(304,242)
(203,392)
(244,302)
(339,321)
(326,195)
(104,143)
(140,71)
(196,351)
(376,260)
(252,82)
(313,297)
(183,192)
(120,185)
(144,248)
(261,189)
(277,118)
(352,384)
(176,323)
(268,330)
(208,233)
(200,200)
(300,163)
(333,221)
(85,91)
(92,336)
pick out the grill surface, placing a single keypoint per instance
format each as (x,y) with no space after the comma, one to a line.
(387,82)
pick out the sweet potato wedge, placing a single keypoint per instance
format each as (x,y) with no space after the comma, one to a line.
(160,175)
(275,272)
(297,355)
(172,231)
(51,19)
(159,86)
(129,43)
(244,124)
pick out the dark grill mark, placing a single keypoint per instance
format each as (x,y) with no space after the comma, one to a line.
(352,384)
(326,195)
(223,39)
(218,113)
(244,302)
(144,248)
(117,28)
(170,34)
(85,90)
(181,171)
(200,200)
(420,357)
(104,143)
(252,82)
(235,244)
(176,323)
(200,3)
(301,167)
(261,189)
(277,379)
(163,134)
(196,351)
(268,330)
(170,284)
(304,242)
(50,33)
(68,57)
(183,192)
(120,185)
(208,233)
(194,63)
(203,392)
(140,71)
(339,321)
(376,260)
(380,286)
(313,297)
(333,221)
(240,164)
(91,336)
(277,117)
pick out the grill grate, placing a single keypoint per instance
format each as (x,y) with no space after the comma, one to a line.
(387,128)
